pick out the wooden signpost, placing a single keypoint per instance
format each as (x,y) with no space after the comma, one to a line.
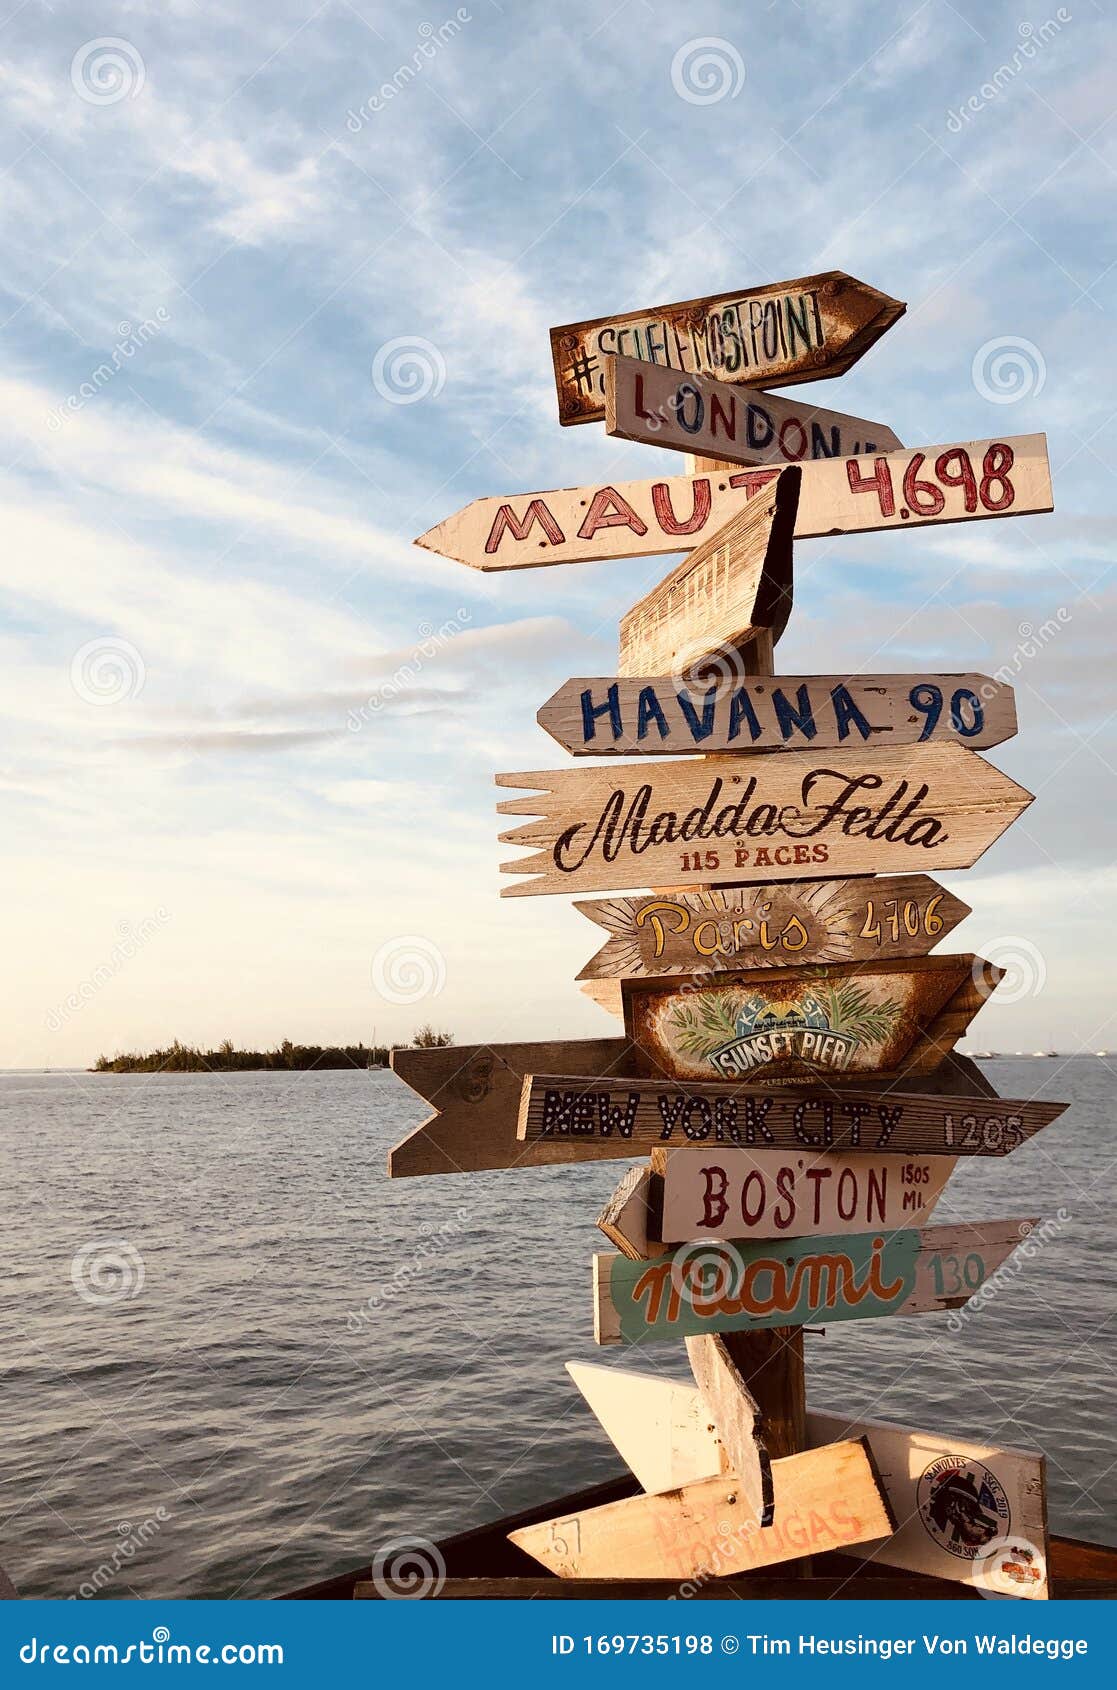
(776,334)
(967,481)
(641,1113)
(696,413)
(950,1496)
(733,589)
(738,1286)
(825,1499)
(768,1194)
(853,1018)
(657,715)
(778,816)
(787,1085)
(798,922)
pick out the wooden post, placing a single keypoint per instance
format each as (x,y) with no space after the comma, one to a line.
(770,1361)
(771,1364)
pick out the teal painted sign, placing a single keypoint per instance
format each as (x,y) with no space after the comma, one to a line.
(712,1287)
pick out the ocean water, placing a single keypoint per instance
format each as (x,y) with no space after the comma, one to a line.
(236,1358)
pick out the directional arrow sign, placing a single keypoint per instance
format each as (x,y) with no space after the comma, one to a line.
(824,1499)
(963,482)
(658,715)
(802,921)
(738,1287)
(950,1496)
(645,1113)
(774,335)
(777,816)
(475,1093)
(740,425)
(809,1023)
(730,588)
(727,1193)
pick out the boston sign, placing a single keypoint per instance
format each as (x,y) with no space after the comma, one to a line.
(769,1194)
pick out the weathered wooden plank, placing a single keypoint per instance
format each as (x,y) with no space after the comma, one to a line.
(476,1090)
(660,1426)
(644,1113)
(718,1287)
(631,1219)
(962,482)
(660,715)
(737,584)
(736,1414)
(950,1496)
(801,1024)
(607,995)
(779,333)
(738,425)
(778,817)
(730,1193)
(824,1499)
(754,1588)
(779,926)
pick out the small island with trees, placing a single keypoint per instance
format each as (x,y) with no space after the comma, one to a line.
(178,1058)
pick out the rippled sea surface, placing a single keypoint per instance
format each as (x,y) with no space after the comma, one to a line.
(318,1360)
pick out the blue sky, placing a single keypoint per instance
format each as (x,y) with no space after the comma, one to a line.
(207,552)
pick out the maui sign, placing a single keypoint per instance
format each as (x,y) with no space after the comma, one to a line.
(964,482)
